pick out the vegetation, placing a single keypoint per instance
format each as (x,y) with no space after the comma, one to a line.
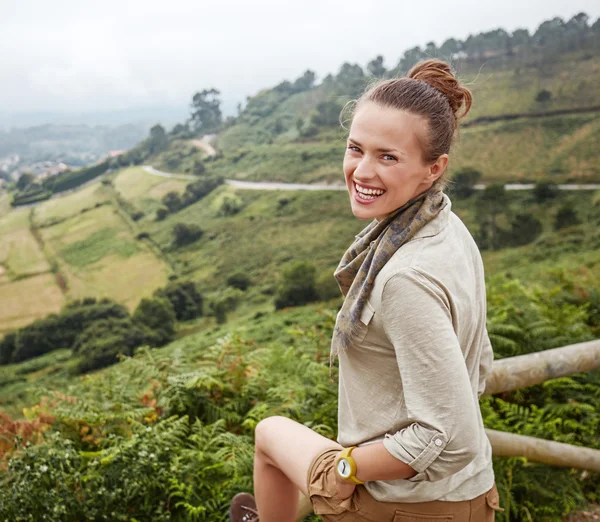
(167,434)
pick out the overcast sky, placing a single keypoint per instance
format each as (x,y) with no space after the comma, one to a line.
(84,55)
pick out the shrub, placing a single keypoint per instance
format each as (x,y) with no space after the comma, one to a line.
(184,298)
(544,191)
(238,280)
(230,205)
(172,201)
(543,96)
(185,234)
(162,213)
(100,344)
(327,287)
(524,229)
(566,217)
(157,319)
(464,181)
(296,286)
(225,301)
(60,330)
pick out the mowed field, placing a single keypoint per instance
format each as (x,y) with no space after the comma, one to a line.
(83,248)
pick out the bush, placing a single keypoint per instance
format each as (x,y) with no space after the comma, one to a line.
(199,189)
(566,217)
(238,280)
(230,205)
(525,228)
(184,298)
(156,318)
(543,96)
(327,287)
(296,286)
(225,301)
(162,213)
(100,344)
(60,330)
(172,201)
(185,234)
(544,191)
(464,181)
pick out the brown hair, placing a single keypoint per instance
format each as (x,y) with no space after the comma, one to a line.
(432,91)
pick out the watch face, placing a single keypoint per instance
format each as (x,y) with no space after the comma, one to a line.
(343,468)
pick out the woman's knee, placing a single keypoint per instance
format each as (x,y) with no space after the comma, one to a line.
(266,430)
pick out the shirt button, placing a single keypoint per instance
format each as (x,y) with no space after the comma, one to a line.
(438,442)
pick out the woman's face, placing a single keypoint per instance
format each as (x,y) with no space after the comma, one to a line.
(383,165)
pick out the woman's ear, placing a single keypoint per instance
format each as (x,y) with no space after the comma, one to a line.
(437,169)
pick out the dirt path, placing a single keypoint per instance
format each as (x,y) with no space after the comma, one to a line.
(204,145)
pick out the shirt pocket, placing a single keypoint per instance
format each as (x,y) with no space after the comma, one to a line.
(366,316)
(405,516)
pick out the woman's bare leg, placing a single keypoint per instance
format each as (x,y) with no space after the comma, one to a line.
(284,451)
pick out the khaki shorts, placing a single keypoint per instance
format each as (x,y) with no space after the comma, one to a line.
(361,506)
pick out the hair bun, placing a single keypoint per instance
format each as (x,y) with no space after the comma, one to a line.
(439,75)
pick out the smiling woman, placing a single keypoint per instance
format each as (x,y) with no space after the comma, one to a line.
(410,337)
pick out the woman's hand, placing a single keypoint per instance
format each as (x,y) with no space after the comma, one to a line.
(344,489)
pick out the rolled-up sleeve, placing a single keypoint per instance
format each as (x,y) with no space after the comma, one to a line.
(442,436)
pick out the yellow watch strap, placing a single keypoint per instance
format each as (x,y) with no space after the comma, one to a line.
(346,454)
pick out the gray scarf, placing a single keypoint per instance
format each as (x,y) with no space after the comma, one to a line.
(372,249)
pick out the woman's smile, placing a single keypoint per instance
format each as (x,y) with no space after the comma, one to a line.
(365,195)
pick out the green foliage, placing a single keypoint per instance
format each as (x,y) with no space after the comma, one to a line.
(157,318)
(543,96)
(58,330)
(544,191)
(464,181)
(239,280)
(161,213)
(206,111)
(327,114)
(71,180)
(224,301)
(327,287)
(297,286)
(525,228)
(172,201)
(96,246)
(185,299)
(185,234)
(566,217)
(26,179)
(230,205)
(101,343)
(158,139)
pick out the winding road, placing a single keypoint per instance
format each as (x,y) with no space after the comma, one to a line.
(268,185)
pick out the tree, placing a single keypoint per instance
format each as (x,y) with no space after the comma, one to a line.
(296,286)
(449,48)
(543,96)
(172,201)
(544,191)
(327,114)
(305,82)
(491,202)
(376,67)
(156,318)
(206,114)
(158,140)
(566,217)
(100,344)
(524,229)
(184,298)
(464,181)
(161,213)
(185,234)
(198,169)
(239,280)
(25,180)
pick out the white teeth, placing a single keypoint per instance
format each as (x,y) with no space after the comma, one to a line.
(372,193)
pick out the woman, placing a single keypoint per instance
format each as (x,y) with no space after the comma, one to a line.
(410,337)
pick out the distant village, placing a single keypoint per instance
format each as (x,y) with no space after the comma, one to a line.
(13,166)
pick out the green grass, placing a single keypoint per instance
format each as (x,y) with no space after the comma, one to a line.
(97,245)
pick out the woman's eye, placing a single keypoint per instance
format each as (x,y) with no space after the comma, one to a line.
(353,148)
(389,157)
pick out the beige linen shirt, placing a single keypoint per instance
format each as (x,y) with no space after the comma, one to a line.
(414,378)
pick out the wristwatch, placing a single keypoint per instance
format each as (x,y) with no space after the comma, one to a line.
(345,466)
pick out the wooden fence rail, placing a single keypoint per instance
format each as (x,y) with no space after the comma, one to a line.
(527,370)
